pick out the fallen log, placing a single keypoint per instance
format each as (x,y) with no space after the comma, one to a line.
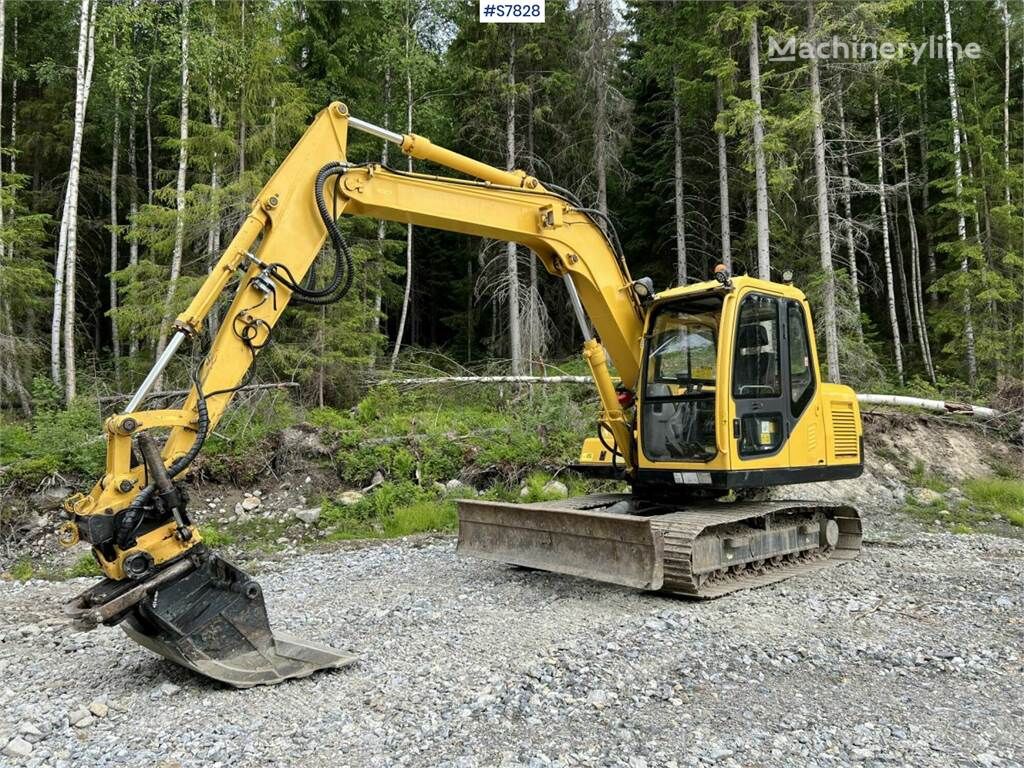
(939,406)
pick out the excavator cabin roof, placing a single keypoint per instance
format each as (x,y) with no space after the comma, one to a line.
(742,281)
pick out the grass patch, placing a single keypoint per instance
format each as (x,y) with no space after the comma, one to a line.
(85,565)
(422,517)
(215,537)
(921,478)
(998,496)
(22,570)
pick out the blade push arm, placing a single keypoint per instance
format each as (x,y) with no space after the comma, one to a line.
(122,517)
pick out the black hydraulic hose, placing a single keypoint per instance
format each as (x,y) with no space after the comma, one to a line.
(341,281)
(135,512)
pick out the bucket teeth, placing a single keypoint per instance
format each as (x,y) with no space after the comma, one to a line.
(208,616)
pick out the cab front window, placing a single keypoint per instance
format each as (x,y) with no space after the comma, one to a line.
(680,375)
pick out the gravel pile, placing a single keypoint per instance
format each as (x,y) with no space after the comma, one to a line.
(910,656)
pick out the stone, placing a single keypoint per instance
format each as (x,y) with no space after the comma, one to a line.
(599,698)
(76,716)
(168,689)
(99,709)
(556,488)
(308,516)
(524,492)
(29,729)
(49,498)
(85,722)
(1004,602)
(18,747)
(925,496)
(249,503)
(454,485)
(348,498)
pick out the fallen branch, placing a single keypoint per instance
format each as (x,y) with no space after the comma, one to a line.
(182,392)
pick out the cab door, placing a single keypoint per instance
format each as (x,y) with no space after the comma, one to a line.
(759,392)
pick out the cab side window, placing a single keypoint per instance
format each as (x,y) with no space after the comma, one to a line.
(801,373)
(756,368)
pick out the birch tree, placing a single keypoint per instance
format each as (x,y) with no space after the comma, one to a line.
(890,287)
(179,195)
(677,179)
(67,244)
(764,267)
(824,227)
(961,227)
(723,183)
(917,302)
(851,248)
(407,296)
(511,249)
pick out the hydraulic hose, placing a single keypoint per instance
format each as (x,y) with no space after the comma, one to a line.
(341,281)
(135,512)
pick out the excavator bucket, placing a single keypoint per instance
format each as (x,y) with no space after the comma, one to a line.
(209,616)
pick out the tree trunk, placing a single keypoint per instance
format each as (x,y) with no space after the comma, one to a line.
(972,363)
(598,64)
(677,143)
(889,282)
(60,262)
(149,137)
(512,266)
(242,127)
(408,229)
(14,136)
(214,227)
(723,184)
(764,268)
(917,302)
(115,333)
(88,11)
(851,248)
(1006,101)
(133,210)
(378,289)
(824,226)
(179,220)
(933,294)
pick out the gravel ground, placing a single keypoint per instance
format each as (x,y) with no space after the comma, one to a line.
(910,656)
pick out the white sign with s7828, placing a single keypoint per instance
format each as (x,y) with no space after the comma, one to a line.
(512,11)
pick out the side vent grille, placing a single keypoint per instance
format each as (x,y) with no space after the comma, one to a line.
(844,431)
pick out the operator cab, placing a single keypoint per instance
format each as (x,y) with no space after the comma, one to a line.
(729,396)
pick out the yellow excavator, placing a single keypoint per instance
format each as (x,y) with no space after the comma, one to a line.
(717,394)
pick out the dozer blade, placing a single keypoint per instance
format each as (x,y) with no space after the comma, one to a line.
(703,551)
(208,616)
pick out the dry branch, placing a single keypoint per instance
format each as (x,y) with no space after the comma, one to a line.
(183,392)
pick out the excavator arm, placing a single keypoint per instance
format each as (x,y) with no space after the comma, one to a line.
(173,594)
